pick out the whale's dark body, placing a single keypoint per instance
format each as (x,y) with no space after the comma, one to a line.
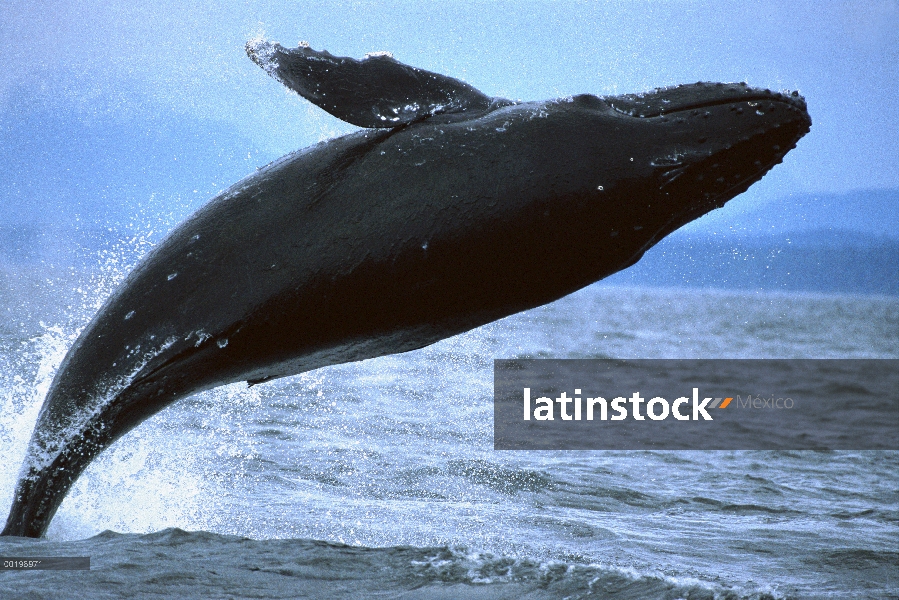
(459,210)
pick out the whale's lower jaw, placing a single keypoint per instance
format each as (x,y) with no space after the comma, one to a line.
(715,180)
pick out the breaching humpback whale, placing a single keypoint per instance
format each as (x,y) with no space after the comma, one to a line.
(448,210)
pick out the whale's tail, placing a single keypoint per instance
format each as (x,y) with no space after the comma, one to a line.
(62,446)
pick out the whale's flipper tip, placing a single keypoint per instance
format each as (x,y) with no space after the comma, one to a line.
(376,91)
(263,52)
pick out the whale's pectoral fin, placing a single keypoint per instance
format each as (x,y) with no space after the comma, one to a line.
(376,91)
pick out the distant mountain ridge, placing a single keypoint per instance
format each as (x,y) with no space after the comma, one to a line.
(830,261)
(845,243)
(872,212)
(62,165)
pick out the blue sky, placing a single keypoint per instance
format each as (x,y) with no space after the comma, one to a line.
(99,100)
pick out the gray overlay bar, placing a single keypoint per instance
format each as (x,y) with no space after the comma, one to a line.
(784,404)
(45,563)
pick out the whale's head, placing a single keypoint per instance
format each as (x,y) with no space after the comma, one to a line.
(699,145)
(714,140)
(630,169)
(600,180)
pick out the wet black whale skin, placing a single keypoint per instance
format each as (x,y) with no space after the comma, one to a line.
(390,239)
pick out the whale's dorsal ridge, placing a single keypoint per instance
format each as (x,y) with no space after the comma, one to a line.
(376,91)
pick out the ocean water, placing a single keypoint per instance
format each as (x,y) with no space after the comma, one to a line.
(379,478)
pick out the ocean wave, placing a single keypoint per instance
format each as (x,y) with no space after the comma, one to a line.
(178,563)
